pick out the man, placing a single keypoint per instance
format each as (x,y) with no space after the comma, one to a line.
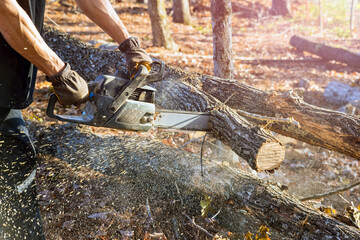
(22,50)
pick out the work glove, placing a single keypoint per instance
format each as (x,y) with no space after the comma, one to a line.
(69,86)
(134,55)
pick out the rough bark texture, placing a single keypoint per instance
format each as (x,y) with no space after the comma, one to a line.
(321,127)
(159,25)
(222,44)
(247,140)
(264,151)
(326,52)
(181,12)
(280,7)
(146,169)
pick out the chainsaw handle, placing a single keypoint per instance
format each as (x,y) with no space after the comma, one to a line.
(82,119)
(159,75)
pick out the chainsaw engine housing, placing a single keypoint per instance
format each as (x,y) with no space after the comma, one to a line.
(137,113)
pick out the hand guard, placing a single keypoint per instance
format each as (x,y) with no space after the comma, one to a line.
(69,86)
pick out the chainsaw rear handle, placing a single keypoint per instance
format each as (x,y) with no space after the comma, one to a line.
(82,119)
(158,75)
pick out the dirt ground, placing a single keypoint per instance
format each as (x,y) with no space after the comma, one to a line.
(307,170)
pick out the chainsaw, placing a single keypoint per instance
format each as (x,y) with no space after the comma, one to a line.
(129,104)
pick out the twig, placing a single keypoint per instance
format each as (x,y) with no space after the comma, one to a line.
(213,217)
(302,227)
(269,119)
(317,196)
(57,25)
(192,140)
(201,154)
(151,220)
(178,191)
(224,103)
(197,226)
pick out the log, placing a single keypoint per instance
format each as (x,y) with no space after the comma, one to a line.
(326,52)
(320,127)
(257,146)
(147,169)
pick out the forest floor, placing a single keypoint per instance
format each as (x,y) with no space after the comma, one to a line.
(307,170)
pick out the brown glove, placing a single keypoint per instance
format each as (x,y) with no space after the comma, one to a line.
(134,55)
(69,86)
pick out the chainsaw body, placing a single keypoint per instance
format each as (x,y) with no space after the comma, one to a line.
(129,104)
(135,111)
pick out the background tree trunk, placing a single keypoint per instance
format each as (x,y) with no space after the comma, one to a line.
(181,12)
(281,7)
(321,24)
(352,15)
(223,55)
(159,25)
(222,43)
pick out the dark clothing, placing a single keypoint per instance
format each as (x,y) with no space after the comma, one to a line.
(18,75)
(19,213)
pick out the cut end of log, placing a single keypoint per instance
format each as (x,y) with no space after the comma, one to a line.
(270,156)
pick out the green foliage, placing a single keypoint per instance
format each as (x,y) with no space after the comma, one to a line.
(341,32)
(205,205)
(335,15)
(203,30)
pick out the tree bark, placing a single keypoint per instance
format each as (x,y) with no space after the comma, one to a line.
(280,7)
(321,23)
(146,169)
(321,127)
(159,25)
(222,43)
(352,15)
(255,145)
(181,12)
(222,51)
(326,52)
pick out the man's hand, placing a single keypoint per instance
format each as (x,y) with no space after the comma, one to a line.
(69,86)
(134,55)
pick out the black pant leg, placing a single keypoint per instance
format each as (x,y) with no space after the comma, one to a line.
(19,213)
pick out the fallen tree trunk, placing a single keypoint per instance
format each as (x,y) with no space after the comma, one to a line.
(326,52)
(321,127)
(257,146)
(146,169)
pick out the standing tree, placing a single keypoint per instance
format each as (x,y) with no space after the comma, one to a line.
(223,55)
(181,11)
(222,44)
(320,16)
(159,25)
(281,7)
(352,15)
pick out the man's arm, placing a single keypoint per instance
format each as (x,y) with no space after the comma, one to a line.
(103,14)
(22,35)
